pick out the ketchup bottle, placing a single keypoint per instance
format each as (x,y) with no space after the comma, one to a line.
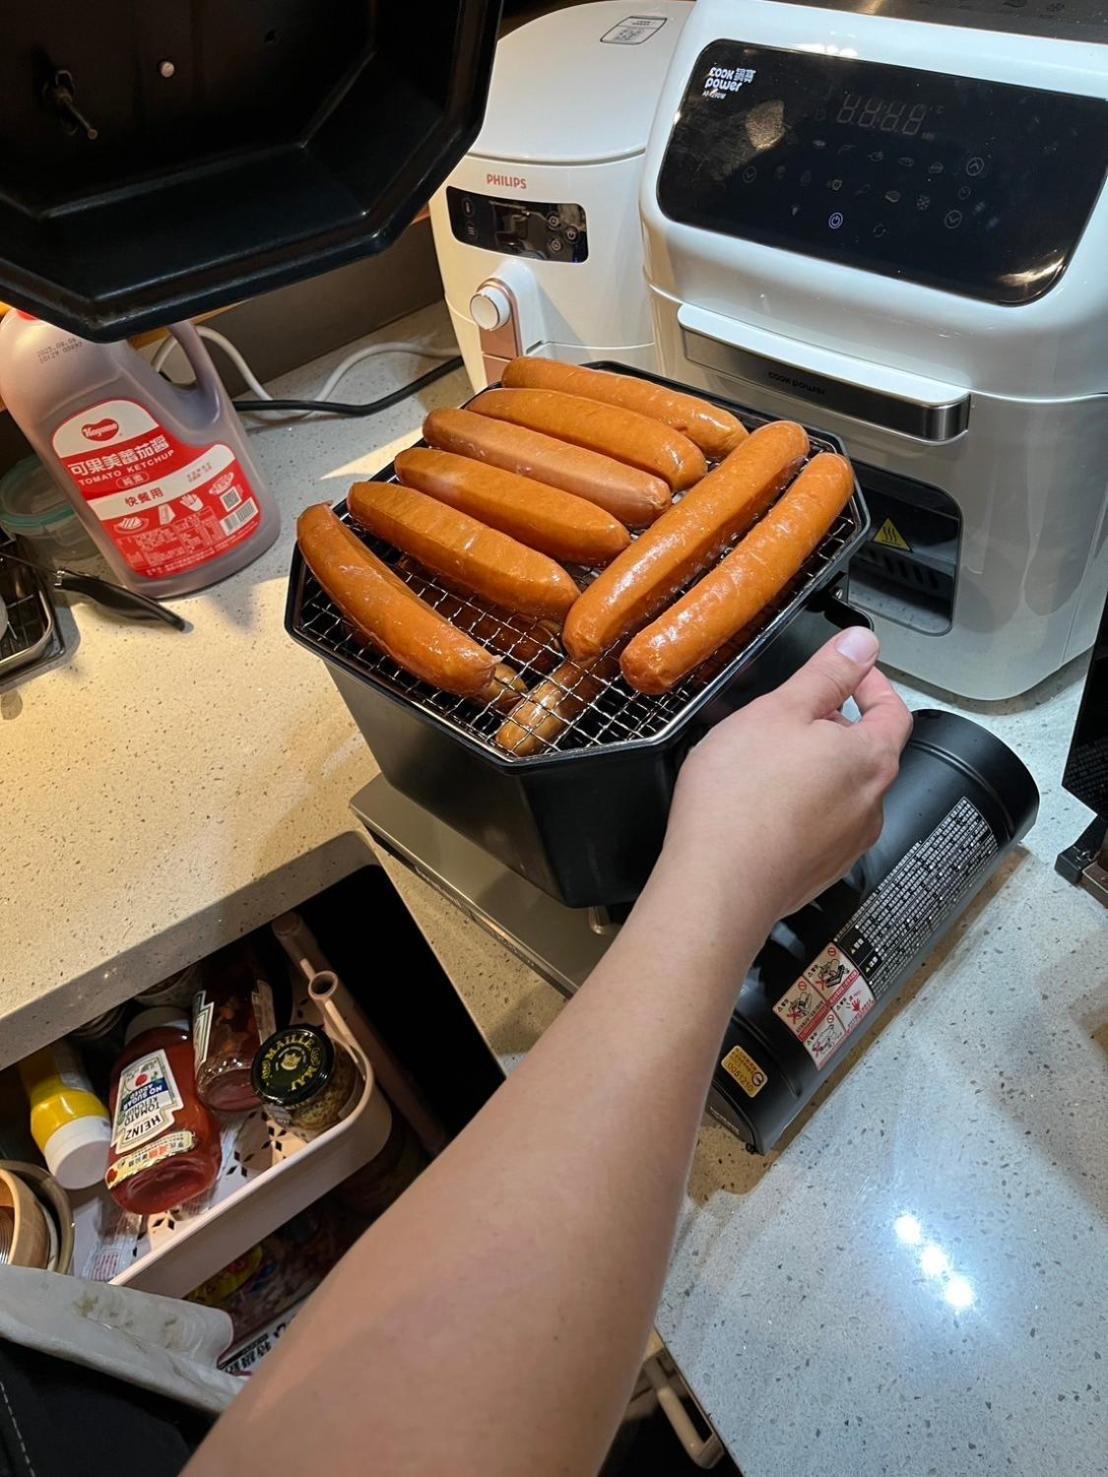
(165,1145)
(161,476)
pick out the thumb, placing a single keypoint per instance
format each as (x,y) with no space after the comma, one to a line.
(826,680)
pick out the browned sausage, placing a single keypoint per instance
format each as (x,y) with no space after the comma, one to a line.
(528,643)
(717,432)
(744,583)
(543,518)
(635,498)
(635,439)
(382,612)
(637,585)
(459,548)
(547,711)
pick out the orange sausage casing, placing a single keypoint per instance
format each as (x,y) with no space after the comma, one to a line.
(625,435)
(543,518)
(634,497)
(462,550)
(640,582)
(385,614)
(717,432)
(548,709)
(744,583)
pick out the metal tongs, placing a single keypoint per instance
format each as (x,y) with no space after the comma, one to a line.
(126,603)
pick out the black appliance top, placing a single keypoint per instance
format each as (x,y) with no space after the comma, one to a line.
(1061,20)
(974,187)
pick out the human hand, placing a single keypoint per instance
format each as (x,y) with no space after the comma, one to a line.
(780,799)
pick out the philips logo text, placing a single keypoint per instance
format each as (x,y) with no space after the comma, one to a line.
(506,181)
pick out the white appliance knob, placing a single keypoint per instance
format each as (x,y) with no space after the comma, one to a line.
(490,307)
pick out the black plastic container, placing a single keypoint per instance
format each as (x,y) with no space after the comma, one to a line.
(162,160)
(827,974)
(586,824)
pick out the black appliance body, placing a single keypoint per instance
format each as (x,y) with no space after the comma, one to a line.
(584,824)
(158,161)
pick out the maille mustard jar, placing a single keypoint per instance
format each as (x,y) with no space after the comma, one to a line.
(305,1080)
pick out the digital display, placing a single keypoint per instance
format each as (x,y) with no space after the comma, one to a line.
(542,231)
(883,114)
(975,187)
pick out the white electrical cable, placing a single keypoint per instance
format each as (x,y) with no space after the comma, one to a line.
(423,351)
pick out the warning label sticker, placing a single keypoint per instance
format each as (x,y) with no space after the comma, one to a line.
(745,1070)
(633,30)
(888,932)
(891,536)
(826,1003)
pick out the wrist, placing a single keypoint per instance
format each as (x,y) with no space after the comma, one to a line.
(737,903)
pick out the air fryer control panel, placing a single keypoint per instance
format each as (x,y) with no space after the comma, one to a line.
(543,231)
(980,188)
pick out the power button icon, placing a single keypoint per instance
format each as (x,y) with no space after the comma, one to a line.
(835,219)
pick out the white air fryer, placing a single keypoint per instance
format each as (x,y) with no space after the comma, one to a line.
(896,229)
(537,229)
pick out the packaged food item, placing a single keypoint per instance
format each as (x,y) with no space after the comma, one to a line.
(281,1270)
(165,1146)
(231,1017)
(69,1123)
(305,1080)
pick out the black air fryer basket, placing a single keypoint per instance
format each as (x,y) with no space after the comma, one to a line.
(584,818)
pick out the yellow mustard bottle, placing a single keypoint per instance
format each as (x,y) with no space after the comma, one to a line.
(69,1123)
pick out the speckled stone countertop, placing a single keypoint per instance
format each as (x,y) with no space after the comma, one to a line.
(960,1158)
(166,792)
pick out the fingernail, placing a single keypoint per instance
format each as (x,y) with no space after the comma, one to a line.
(857,644)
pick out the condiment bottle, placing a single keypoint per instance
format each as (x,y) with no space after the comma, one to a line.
(165,1144)
(230,1019)
(305,1080)
(69,1123)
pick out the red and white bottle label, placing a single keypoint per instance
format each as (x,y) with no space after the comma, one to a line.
(167,506)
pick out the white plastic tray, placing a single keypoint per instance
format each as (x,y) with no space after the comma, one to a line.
(268,1174)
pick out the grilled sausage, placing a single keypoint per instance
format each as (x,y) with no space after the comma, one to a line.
(382,612)
(717,432)
(624,434)
(543,518)
(548,710)
(635,498)
(460,549)
(641,581)
(744,583)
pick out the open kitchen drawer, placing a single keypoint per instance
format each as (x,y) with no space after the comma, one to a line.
(393,989)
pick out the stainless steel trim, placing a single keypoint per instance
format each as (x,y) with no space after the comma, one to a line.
(893,412)
(557,942)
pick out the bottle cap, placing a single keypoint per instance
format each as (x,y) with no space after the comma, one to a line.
(293,1065)
(149,1020)
(77,1153)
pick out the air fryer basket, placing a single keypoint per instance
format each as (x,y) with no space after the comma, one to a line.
(584,817)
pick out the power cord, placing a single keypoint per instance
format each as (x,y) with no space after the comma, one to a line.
(322,404)
(338,407)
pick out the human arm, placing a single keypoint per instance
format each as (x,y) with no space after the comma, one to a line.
(492,1322)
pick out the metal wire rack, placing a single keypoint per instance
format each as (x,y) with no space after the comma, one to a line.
(594,708)
(31,633)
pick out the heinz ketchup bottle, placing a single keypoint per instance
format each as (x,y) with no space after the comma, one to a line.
(165,1144)
(159,474)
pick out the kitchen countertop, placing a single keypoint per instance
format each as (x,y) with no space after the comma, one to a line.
(168,792)
(171,799)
